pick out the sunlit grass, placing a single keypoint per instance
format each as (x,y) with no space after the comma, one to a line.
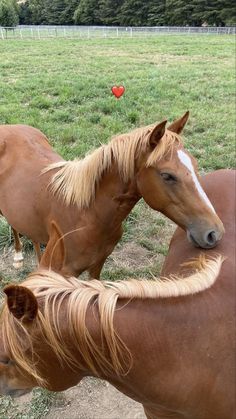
(63,88)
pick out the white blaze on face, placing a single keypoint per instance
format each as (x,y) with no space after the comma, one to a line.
(186,161)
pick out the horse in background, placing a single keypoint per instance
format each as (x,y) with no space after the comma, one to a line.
(89,199)
(166,344)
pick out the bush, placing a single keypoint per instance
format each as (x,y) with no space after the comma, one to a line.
(9,13)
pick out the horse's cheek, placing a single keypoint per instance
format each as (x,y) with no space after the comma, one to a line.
(149,187)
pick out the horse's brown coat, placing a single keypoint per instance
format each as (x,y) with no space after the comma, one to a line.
(183,348)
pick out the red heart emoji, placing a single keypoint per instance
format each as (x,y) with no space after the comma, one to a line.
(118,91)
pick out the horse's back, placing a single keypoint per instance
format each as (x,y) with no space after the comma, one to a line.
(22,135)
(24,144)
(24,199)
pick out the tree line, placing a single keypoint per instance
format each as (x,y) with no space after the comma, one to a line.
(118,12)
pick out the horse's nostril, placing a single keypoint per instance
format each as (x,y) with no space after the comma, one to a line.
(211,238)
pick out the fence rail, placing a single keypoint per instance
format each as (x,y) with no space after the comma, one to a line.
(44,32)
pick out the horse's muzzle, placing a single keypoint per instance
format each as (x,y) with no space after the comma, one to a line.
(207,240)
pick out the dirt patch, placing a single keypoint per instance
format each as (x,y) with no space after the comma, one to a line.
(91,399)
(95,399)
(130,255)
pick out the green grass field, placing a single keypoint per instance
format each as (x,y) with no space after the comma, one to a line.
(63,87)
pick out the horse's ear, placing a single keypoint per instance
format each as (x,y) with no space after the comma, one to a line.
(21,303)
(178,125)
(54,254)
(157,133)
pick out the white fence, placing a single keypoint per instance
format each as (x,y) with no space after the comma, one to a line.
(77,32)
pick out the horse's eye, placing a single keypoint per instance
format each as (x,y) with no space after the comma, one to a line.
(167,177)
(5,361)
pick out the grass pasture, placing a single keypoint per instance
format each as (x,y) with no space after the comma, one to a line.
(63,87)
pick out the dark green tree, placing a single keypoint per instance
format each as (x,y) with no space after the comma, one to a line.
(9,13)
(227,11)
(199,8)
(179,12)
(134,13)
(25,13)
(156,15)
(68,13)
(211,13)
(87,13)
(120,12)
(53,12)
(38,12)
(109,11)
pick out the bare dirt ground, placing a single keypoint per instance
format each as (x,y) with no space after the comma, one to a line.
(96,399)
(91,399)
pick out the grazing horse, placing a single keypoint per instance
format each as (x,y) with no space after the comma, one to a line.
(89,199)
(166,344)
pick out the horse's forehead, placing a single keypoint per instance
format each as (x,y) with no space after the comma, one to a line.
(185,159)
(178,156)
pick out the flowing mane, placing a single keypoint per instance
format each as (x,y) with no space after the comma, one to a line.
(56,293)
(76,181)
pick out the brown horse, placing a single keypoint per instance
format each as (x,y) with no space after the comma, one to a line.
(99,191)
(171,351)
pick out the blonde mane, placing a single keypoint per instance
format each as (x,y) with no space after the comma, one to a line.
(76,181)
(74,297)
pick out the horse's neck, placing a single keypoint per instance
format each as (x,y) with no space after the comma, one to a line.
(114,199)
(139,324)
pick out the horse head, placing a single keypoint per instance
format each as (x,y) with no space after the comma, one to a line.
(168,181)
(15,378)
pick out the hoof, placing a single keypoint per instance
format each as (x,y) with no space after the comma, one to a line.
(18,264)
(18,260)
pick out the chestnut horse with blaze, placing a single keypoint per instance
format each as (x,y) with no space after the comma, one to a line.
(89,199)
(169,344)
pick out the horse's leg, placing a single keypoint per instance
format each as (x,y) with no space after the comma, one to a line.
(18,256)
(37,250)
(95,270)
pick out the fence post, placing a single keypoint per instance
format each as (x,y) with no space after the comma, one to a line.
(31,30)
(131,32)
(117,32)
(2,34)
